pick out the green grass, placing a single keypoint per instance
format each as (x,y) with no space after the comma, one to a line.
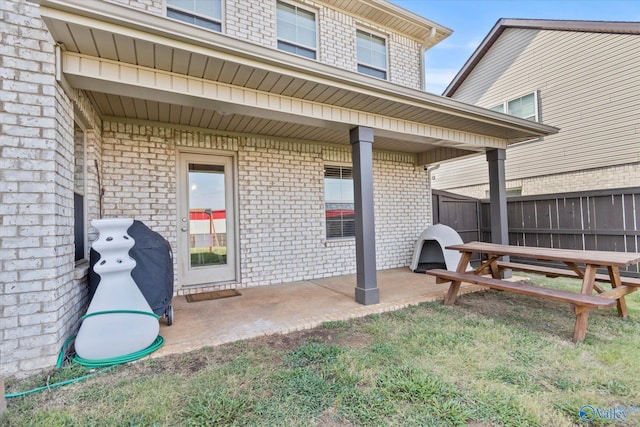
(493,359)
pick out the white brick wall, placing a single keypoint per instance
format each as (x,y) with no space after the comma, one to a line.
(591,179)
(405,61)
(138,175)
(38,296)
(253,21)
(403,207)
(152,6)
(281,199)
(587,180)
(337,39)
(338,46)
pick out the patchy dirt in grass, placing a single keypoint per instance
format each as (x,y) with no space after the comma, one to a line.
(188,364)
(328,336)
(331,418)
(500,306)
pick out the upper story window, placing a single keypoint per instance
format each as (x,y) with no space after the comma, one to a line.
(525,107)
(296,30)
(338,202)
(372,54)
(203,13)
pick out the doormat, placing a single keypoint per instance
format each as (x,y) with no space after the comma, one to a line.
(225,293)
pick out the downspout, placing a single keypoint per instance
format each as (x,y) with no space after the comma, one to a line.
(423,66)
(428,169)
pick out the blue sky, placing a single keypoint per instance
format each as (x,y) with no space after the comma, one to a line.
(471,21)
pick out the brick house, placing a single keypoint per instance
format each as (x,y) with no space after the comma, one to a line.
(288,124)
(578,75)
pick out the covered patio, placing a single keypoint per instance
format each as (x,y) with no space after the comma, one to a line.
(284,308)
(139,105)
(245,97)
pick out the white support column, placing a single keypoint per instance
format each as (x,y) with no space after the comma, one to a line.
(367,291)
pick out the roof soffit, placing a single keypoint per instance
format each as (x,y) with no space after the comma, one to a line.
(391,16)
(112,29)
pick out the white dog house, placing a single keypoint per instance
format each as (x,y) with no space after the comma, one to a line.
(430,249)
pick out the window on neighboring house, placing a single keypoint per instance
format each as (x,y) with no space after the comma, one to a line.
(203,13)
(511,192)
(338,202)
(525,107)
(79,221)
(372,54)
(296,29)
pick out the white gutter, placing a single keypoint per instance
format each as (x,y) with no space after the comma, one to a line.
(423,59)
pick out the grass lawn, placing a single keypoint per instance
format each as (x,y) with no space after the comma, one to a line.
(493,359)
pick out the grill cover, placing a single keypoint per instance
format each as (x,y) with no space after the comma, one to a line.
(153,272)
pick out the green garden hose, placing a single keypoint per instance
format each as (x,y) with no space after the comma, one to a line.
(119,360)
(106,364)
(59,384)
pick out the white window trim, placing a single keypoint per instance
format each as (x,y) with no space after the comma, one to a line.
(198,15)
(315,48)
(509,190)
(383,36)
(505,103)
(331,241)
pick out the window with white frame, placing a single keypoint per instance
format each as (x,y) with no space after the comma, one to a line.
(296,29)
(372,54)
(203,13)
(79,218)
(525,107)
(511,192)
(338,202)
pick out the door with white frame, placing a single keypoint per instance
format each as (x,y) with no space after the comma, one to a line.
(206,219)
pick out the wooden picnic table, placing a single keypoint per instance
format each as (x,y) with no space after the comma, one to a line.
(581,264)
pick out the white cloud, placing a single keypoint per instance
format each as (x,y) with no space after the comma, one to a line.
(438,79)
(464,45)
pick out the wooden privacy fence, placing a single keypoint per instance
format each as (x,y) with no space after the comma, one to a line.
(459,212)
(605,220)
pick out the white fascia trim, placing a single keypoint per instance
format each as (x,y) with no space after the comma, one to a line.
(88,72)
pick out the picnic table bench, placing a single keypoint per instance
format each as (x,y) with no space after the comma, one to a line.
(581,302)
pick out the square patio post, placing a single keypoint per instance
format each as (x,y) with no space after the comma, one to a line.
(367,291)
(498,200)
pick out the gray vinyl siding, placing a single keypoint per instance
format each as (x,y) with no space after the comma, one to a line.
(588,85)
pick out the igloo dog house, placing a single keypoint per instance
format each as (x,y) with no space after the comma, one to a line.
(430,252)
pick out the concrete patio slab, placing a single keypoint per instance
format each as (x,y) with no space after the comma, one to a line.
(288,307)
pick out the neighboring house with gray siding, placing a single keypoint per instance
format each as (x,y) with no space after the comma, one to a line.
(260,138)
(581,76)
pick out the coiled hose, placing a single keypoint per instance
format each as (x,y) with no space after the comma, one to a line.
(107,363)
